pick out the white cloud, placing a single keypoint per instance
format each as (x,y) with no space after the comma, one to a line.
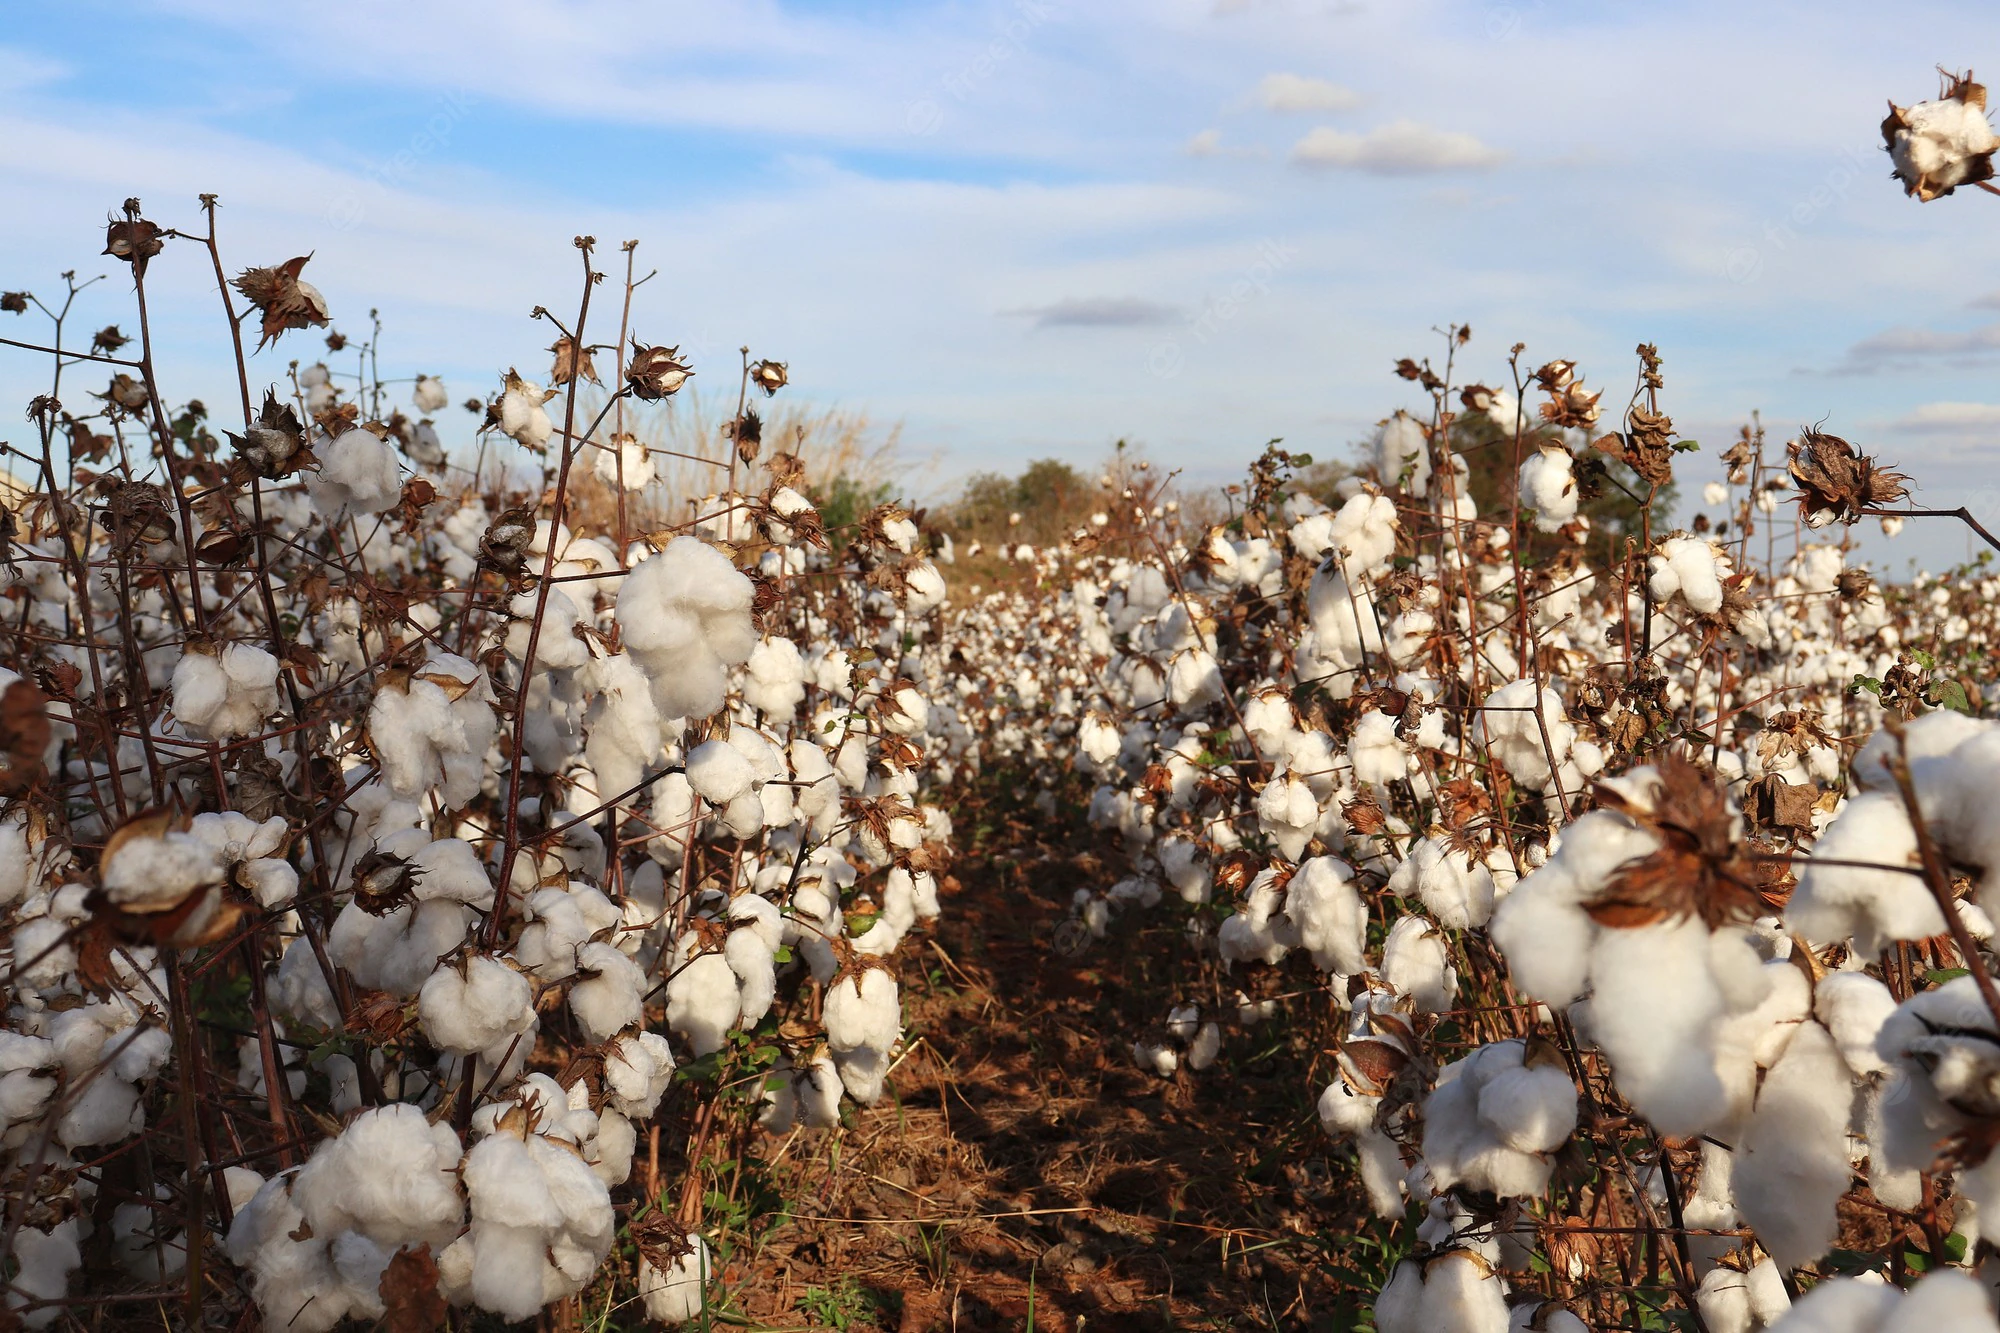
(1949,418)
(1296,92)
(1206,144)
(1401,148)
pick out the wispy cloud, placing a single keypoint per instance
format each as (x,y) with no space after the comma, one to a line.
(1948,418)
(1907,349)
(1400,148)
(1296,92)
(1098,312)
(1209,143)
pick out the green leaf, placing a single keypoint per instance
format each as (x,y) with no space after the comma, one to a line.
(1686,446)
(1868,683)
(782,954)
(1950,694)
(1937,976)
(1923,659)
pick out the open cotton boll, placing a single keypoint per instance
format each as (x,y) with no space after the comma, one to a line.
(679,1292)
(1507,725)
(396,952)
(1288,813)
(541,1223)
(718,772)
(1942,1300)
(1327,915)
(637,1069)
(429,394)
(45,1259)
(467,1010)
(1156,1058)
(1853,1006)
(152,871)
(627,462)
(1402,448)
(1445,879)
(1737,1302)
(1873,906)
(557,647)
(703,996)
(389,1175)
(609,998)
(522,415)
(358,474)
(1791,1164)
(684,614)
(863,1010)
(774,680)
(1495,1117)
(1938,146)
(226,692)
(1417,963)
(1376,751)
(1693,567)
(1548,486)
(430,730)
(1194,680)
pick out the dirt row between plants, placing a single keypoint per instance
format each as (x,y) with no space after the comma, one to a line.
(1023,1167)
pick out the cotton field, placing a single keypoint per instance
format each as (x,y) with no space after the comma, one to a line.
(525,884)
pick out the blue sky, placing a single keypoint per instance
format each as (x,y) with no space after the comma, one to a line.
(1026,228)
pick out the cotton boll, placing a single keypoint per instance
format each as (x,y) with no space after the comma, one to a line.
(685,617)
(1194,680)
(1457,892)
(1693,567)
(1288,813)
(1834,902)
(466,1011)
(775,678)
(1736,1302)
(863,1010)
(679,1292)
(1854,1006)
(1791,1167)
(718,772)
(358,474)
(1328,916)
(1652,1012)
(430,731)
(429,395)
(221,694)
(1416,962)
(637,1069)
(626,462)
(1548,486)
(703,999)
(521,414)
(1402,449)
(399,951)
